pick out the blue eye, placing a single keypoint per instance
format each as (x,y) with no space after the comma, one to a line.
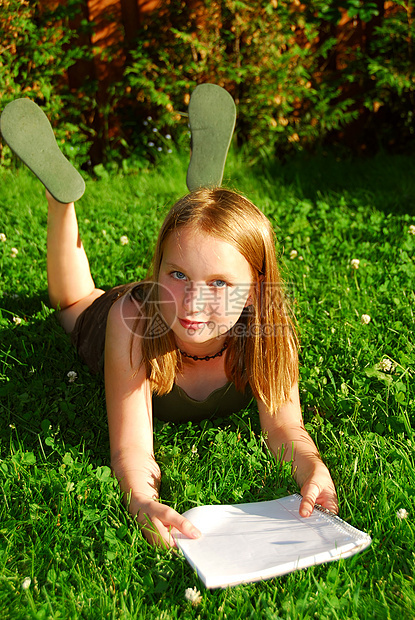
(178,275)
(219,283)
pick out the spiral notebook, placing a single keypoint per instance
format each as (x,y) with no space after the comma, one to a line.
(249,542)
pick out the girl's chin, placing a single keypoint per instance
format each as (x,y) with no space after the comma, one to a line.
(197,333)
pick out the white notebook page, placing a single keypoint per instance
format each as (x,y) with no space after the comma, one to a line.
(248,542)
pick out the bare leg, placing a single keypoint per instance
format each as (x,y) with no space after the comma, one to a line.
(70,284)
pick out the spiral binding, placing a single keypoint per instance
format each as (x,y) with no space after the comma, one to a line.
(339,523)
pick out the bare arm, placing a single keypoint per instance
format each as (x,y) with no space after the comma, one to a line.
(287,439)
(130,423)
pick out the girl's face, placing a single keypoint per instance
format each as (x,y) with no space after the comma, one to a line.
(209,281)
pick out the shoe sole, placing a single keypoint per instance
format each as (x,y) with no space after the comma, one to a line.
(27,131)
(212,116)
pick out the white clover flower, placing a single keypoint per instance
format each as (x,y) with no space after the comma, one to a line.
(194,449)
(14,252)
(293,254)
(385,364)
(17,320)
(411,229)
(72,376)
(193,595)
(26,583)
(151,144)
(169,151)
(155,130)
(159,148)
(167,136)
(365,318)
(124,240)
(301,258)
(3,237)
(355,262)
(402,513)
(145,123)
(149,118)
(104,232)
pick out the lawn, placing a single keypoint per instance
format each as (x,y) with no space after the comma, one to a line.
(62,523)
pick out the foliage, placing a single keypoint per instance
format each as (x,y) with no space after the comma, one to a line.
(266,54)
(389,69)
(301,74)
(381,70)
(296,76)
(36,50)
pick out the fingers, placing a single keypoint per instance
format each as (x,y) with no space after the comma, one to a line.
(158,522)
(170,518)
(312,494)
(187,528)
(158,534)
(331,502)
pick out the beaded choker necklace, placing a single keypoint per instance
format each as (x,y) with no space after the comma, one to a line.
(206,357)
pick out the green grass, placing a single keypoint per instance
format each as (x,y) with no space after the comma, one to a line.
(61,520)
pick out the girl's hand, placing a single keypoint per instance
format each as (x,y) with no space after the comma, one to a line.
(318,488)
(157,521)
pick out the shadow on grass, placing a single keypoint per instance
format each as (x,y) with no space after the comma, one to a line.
(37,400)
(385,181)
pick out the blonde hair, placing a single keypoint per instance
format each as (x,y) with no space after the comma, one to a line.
(262,348)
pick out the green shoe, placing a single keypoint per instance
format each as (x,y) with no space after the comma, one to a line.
(212,116)
(27,131)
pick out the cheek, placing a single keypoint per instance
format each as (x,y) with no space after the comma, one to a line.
(169,296)
(236,303)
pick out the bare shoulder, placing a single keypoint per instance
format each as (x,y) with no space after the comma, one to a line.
(125,310)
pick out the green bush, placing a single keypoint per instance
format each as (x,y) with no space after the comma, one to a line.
(264,53)
(300,73)
(36,52)
(296,81)
(388,70)
(377,66)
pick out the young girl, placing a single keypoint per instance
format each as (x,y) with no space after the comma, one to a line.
(203,334)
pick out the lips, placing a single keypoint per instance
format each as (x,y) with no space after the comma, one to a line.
(191,324)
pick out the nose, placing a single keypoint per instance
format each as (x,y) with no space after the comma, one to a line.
(193,299)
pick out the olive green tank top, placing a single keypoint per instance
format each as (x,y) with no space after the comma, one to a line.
(177,406)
